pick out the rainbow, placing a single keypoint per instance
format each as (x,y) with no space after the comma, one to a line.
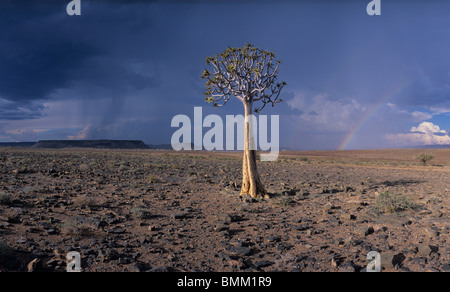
(382,101)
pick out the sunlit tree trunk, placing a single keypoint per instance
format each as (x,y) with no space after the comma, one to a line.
(251,182)
(251,75)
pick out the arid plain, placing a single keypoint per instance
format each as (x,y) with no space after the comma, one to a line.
(147,210)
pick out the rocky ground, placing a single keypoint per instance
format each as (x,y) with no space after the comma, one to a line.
(169,211)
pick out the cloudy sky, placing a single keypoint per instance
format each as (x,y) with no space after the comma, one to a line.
(124,69)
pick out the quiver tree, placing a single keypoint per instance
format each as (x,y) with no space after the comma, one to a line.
(250,75)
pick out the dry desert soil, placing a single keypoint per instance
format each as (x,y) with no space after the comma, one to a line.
(146,210)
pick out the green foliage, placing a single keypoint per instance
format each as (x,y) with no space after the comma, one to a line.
(387,203)
(140,213)
(424,158)
(123,168)
(286,202)
(84,167)
(153,179)
(304,159)
(247,73)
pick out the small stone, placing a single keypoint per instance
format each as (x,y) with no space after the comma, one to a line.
(348,217)
(272,239)
(424,212)
(112,255)
(301,227)
(240,250)
(136,268)
(236,264)
(349,189)
(262,264)
(34,266)
(52,231)
(365,231)
(21,241)
(387,260)
(228,218)
(334,263)
(328,206)
(423,250)
(446,268)
(153,228)
(116,230)
(179,216)
(431,232)
(123,261)
(221,227)
(347,268)
(162,269)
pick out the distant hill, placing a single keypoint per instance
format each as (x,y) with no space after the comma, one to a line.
(430,147)
(17,144)
(160,147)
(99,144)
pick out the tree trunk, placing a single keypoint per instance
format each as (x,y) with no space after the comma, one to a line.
(251,183)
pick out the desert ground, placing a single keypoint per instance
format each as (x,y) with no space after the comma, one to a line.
(147,210)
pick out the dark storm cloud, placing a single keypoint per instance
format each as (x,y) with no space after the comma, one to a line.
(13,111)
(37,51)
(44,50)
(124,68)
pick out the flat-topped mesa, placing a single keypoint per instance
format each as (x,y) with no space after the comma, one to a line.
(99,144)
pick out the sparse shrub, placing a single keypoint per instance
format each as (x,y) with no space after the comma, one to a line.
(5,199)
(424,158)
(84,167)
(85,202)
(153,179)
(286,201)
(72,228)
(123,168)
(303,159)
(140,213)
(387,203)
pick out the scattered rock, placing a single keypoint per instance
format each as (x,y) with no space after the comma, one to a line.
(348,217)
(328,206)
(424,212)
(198,229)
(423,250)
(262,264)
(34,266)
(301,227)
(116,230)
(221,227)
(180,216)
(431,232)
(347,268)
(387,260)
(364,231)
(228,218)
(162,269)
(239,250)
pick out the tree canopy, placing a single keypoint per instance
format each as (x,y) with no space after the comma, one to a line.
(248,73)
